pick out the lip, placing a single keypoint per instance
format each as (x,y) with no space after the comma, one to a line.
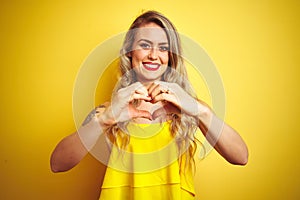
(151,66)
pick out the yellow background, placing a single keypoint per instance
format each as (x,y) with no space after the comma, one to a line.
(254,44)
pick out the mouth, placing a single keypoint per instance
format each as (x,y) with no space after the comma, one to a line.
(151,66)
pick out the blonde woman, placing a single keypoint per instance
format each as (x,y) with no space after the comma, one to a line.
(148,128)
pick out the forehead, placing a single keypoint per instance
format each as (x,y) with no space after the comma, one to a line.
(151,32)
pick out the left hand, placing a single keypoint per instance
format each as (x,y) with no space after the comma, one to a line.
(172,93)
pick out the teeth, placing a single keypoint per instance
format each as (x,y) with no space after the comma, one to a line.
(151,66)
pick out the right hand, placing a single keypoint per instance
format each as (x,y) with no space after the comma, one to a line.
(121,108)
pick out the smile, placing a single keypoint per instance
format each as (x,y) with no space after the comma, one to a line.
(151,66)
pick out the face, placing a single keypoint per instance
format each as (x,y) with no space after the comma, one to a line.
(150,53)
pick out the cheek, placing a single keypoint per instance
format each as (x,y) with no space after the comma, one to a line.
(138,55)
(165,58)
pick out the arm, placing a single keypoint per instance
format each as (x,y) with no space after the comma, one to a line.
(227,142)
(73,148)
(221,136)
(67,153)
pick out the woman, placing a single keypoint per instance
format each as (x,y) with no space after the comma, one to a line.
(150,123)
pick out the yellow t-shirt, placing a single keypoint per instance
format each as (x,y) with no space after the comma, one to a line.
(148,168)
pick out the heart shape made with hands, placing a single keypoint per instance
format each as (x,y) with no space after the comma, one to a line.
(156,102)
(158,110)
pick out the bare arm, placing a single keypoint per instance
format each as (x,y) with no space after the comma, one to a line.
(221,136)
(72,149)
(224,138)
(67,153)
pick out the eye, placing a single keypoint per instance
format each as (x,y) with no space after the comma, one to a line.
(145,46)
(164,48)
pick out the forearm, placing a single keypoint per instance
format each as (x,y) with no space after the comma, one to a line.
(232,147)
(71,150)
(222,137)
(68,153)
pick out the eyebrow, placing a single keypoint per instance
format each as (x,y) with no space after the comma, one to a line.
(145,40)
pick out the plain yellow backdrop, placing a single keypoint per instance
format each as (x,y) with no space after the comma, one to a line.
(254,44)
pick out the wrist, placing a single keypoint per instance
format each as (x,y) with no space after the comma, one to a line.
(89,133)
(205,114)
(105,120)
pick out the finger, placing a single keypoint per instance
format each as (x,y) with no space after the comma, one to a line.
(143,93)
(137,86)
(129,93)
(155,91)
(131,89)
(158,88)
(155,87)
(165,97)
(165,110)
(151,87)
(135,113)
(130,113)
(141,90)
(139,97)
(161,112)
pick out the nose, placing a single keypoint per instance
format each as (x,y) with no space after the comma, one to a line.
(153,54)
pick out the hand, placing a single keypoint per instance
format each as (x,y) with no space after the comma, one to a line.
(174,98)
(121,108)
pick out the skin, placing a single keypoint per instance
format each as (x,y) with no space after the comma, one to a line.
(150,48)
(158,100)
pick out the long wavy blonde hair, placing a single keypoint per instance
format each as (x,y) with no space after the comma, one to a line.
(182,126)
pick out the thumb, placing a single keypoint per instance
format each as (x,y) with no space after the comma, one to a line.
(136,113)
(165,110)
